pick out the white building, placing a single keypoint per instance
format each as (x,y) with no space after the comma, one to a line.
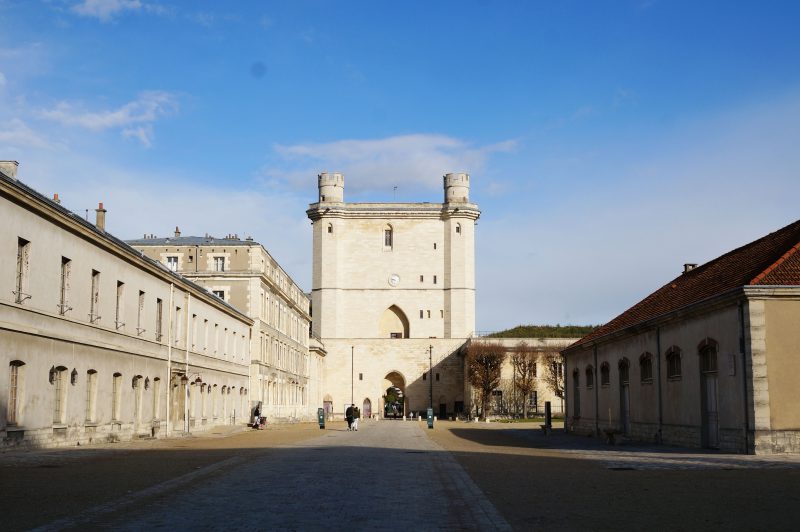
(99,342)
(286,366)
(393,291)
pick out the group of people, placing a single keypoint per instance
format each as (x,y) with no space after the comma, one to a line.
(352,415)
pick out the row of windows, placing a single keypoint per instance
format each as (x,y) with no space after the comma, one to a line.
(62,379)
(423,313)
(708,364)
(435,279)
(120,322)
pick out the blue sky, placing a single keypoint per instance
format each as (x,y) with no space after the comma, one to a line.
(608,142)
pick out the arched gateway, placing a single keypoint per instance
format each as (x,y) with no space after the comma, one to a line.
(394,400)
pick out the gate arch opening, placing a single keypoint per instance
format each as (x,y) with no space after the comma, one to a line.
(393,324)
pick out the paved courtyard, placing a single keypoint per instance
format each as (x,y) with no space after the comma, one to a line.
(395,475)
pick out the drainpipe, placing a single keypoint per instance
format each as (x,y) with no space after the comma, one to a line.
(187,336)
(169,353)
(658,376)
(596,395)
(743,353)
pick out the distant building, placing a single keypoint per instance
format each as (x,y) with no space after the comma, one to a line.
(710,359)
(506,396)
(100,343)
(286,367)
(393,291)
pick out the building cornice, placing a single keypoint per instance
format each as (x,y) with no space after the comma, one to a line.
(317,211)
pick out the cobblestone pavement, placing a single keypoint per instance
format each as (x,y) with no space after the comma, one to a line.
(389,475)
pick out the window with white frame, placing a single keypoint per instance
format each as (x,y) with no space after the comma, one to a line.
(120,307)
(159,319)
(172,263)
(94,302)
(673,356)
(63,299)
(23,270)
(140,314)
(219,264)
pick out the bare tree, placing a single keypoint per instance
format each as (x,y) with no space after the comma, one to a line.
(553,371)
(484,362)
(523,359)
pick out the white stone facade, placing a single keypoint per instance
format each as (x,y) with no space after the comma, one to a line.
(393,282)
(285,374)
(99,343)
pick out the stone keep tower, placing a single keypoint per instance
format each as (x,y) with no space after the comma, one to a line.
(394,281)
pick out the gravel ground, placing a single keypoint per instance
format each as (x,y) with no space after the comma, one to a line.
(535,482)
(566,482)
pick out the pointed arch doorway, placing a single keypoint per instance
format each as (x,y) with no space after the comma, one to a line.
(394,399)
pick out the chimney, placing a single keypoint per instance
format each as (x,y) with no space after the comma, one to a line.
(101,217)
(9,168)
(689,267)
(56,198)
(177,232)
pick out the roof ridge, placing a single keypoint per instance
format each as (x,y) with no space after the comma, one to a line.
(792,250)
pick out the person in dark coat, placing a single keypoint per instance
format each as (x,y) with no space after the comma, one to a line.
(348,415)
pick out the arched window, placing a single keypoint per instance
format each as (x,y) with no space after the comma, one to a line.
(91,396)
(330,228)
(388,237)
(708,356)
(15,369)
(673,356)
(646,368)
(116,396)
(60,394)
(458,228)
(590,376)
(624,371)
(605,374)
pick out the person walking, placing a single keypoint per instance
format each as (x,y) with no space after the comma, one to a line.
(348,415)
(356,416)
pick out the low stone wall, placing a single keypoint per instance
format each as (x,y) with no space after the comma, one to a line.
(777,441)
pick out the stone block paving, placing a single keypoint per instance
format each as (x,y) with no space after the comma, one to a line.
(639,456)
(389,475)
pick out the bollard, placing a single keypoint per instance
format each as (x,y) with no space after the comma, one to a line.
(548,418)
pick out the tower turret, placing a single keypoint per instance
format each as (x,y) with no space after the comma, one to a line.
(331,187)
(456,188)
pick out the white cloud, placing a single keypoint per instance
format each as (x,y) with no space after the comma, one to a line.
(105,10)
(143,134)
(415,160)
(16,135)
(134,118)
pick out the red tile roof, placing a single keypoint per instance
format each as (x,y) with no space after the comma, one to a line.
(770,260)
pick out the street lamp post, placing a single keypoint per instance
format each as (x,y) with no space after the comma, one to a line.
(430,376)
(352,402)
